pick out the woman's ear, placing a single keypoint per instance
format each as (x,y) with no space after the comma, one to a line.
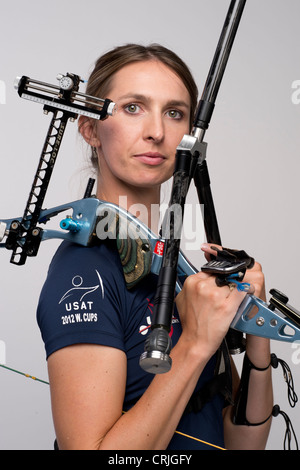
(87,128)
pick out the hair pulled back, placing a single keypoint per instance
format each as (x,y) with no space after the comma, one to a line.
(112,61)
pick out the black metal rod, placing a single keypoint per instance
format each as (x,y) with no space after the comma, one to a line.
(235,339)
(39,187)
(217,69)
(155,358)
(171,233)
(202,184)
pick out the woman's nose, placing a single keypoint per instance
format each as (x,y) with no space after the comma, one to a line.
(154,128)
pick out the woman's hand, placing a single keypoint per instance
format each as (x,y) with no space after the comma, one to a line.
(258,349)
(256,278)
(253,276)
(206,312)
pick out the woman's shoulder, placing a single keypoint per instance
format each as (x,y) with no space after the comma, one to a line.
(73,263)
(70,254)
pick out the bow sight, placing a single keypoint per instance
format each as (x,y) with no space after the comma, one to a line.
(65,102)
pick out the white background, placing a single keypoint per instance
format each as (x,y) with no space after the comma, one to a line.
(253,158)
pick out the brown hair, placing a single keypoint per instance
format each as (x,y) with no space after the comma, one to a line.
(112,61)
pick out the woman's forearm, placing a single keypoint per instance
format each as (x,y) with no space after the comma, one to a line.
(152,421)
(259,401)
(260,395)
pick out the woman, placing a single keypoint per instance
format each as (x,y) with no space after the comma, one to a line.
(101,398)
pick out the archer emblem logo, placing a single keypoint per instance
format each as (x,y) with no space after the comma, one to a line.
(78,306)
(79,289)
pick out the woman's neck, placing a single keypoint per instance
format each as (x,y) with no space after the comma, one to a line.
(143,203)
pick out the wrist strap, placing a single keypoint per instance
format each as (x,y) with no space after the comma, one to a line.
(239,416)
(252,366)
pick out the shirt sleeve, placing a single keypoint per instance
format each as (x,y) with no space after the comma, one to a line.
(82,300)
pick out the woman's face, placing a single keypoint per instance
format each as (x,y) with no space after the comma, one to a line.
(136,147)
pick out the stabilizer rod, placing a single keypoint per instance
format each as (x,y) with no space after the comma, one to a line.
(156,357)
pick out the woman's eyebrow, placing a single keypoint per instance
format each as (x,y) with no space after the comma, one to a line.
(179,103)
(141,97)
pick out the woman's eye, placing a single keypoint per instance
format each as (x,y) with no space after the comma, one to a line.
(132,108)
(174,114)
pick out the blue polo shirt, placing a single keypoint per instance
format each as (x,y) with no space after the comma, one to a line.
(85,300)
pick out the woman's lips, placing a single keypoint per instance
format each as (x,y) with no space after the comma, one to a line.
(150,158)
